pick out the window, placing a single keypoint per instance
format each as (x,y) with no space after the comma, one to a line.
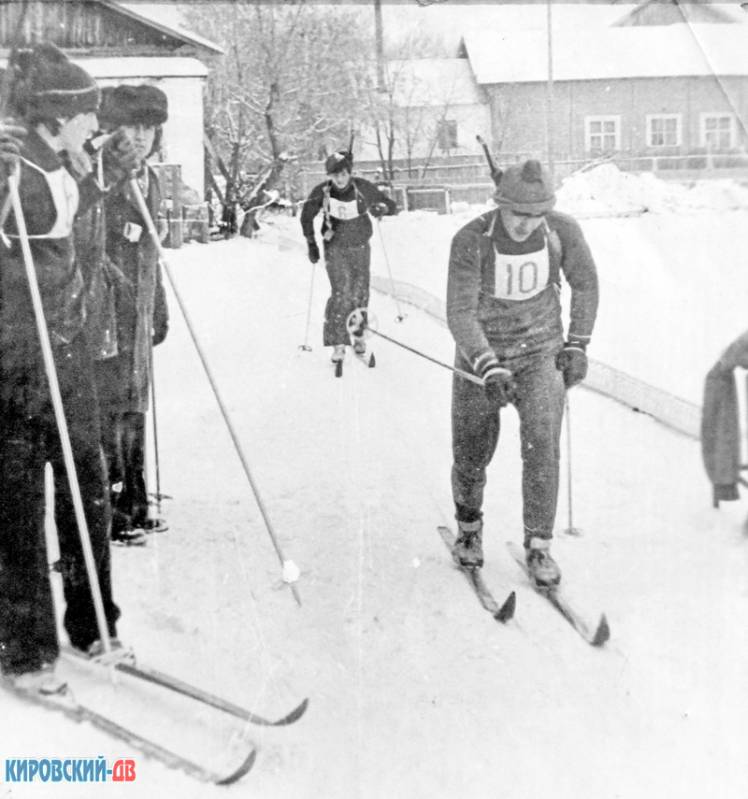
(718,131)
(446,133)
(663,130)
(602,134)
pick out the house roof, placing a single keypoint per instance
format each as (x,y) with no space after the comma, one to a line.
(163,18)
(608,53)
(142,68)
(657,12)
(433,82)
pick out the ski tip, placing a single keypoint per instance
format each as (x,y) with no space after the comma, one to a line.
(339,369)
(506,611)
(238,773)
(293,716)
(372,361)
(602,634)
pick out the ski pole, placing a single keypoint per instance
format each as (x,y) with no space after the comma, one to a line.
(305,346)
(59,412)
(156,459)
(400,315)
(570,530)
(461,372)
(145,213)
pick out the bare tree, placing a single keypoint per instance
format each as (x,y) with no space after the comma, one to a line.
(285,86)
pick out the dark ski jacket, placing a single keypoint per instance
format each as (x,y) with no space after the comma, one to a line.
(516,309)
(141,311)
(720,426)
(346,222)
(51,199)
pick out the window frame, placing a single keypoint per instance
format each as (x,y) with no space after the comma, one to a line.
(704,116)
(603,118)
(651,118)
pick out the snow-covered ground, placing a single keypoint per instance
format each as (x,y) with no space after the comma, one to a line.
(414,690)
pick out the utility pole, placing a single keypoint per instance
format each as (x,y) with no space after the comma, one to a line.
(379,37)
(549,90)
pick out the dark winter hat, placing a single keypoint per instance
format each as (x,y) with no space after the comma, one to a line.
(339,161)
(133,105)
(526,188)
(48,85)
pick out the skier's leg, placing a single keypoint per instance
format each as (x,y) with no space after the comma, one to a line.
(336,310)
(540,405)
(134,457)
(81,410)
(28,638)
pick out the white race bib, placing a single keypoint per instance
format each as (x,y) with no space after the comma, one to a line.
(341,210)
(519,277)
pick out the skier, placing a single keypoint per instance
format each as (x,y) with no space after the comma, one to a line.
(57,102)
(346,229)
(504,313)
(142,318)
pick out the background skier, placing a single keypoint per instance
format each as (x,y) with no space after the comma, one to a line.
(504,313)
(346,230)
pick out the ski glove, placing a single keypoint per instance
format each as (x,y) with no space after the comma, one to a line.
(378,210)
(119,158)
(572,362)
(498,382)
(313,250)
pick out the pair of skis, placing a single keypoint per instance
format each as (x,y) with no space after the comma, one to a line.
(66,703)
(366,358)
(596,636)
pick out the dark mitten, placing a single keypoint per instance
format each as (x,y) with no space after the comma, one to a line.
(572,361)
(313,251)
(120,158)
(378,210)
(498,382)
(160,329)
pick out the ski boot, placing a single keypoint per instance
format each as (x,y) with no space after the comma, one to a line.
(467,550)
(543,570)
(119,653)
(359,345)
(128,537)
(338,353)
(42,681)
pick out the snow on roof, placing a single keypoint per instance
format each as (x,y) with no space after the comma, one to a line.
(166,18)
(433,82)
(607,53)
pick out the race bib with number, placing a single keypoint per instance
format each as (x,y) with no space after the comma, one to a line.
(345,211)
(520,277)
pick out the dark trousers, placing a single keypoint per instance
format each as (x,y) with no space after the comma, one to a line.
(348,270)
(123,437)
(28,440)
(475,435)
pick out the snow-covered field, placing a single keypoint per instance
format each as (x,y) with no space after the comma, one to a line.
(414,690)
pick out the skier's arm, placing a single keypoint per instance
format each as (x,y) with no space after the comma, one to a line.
(581,274)
(463,293)
(310,209)
(376,201)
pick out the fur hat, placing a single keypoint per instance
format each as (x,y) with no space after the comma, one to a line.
(48,85)
(527,188)
(133,105)
(339,161)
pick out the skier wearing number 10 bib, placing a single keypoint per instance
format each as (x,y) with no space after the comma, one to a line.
(504,312)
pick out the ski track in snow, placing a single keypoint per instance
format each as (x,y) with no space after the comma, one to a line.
(415,691)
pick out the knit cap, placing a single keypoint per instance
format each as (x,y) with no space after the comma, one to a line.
(49,85)
(526,188)
(339,161)
(133,105)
